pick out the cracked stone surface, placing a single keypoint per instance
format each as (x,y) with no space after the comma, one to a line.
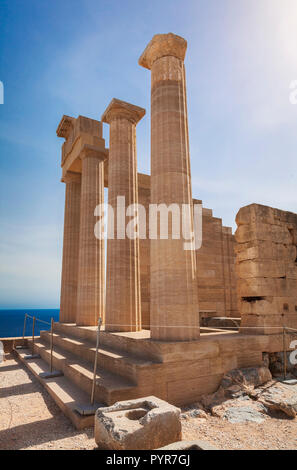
(142,424)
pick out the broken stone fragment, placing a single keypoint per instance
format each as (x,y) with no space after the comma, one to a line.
(246,377)
(244,414)
(236,384)
(279,397)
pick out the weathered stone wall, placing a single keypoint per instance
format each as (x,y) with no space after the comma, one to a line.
(230,276)
(267,269)
(217,292)
(10,343)
(144,258)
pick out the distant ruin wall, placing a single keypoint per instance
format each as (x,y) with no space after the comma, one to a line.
(144,260)
(266,264)
(216,277)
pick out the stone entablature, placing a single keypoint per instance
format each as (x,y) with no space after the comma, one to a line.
(78,132)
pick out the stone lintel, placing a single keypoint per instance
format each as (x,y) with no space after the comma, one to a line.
(197,201)
(121,109)
(65,126)
(163,45)
(227,230)
(71,177)
(94,152)
(89,126)
(144,181)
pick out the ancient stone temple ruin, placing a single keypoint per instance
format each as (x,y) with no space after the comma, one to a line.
(153,296)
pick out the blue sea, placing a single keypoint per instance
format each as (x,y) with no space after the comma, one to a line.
(12,321)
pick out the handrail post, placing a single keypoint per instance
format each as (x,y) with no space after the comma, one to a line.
(22,345)
(33,335)
(52,373)
(285,353)
(24,329)
(52,342)
(95,362)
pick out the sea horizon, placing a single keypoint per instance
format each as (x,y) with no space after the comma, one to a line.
(12,320)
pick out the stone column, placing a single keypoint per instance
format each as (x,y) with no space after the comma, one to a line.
(123,302)
(70,248)
(91,279)
(174,303)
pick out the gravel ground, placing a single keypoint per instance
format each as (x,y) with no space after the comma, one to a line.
(273,434)
(29,419)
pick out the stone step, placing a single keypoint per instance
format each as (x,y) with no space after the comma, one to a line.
(109,387)
(71,329)
(125,343)
(65,394)
(120,363)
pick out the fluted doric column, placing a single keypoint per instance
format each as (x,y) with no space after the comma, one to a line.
(70,248)
(173,290)
(91,279)
(123,303)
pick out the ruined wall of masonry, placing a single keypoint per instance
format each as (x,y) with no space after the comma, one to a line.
(266,264)
(216,274)
(216,277)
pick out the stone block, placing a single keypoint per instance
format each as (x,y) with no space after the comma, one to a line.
(269,306)
(265,287)
(262,324)
(265,250)
(255,212)
(263,232)
(142,424)
(291,272)
(252,269)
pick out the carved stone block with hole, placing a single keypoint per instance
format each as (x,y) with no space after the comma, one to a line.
(142,424)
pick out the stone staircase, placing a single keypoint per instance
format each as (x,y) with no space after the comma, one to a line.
(119,372)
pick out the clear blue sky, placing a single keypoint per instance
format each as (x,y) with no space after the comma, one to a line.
(72,56)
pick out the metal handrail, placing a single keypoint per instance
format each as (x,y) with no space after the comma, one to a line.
(96,361)
(51,324)
(52,343)
(290,331)
(37,319)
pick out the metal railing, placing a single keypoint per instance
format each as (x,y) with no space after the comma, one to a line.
(51,325)
(82,409)
(291,331)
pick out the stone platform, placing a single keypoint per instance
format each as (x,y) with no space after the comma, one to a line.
(131,365)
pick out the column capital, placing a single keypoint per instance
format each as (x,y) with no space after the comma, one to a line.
(65,126)
(93,152)
(71,177)
(163,45)
(120,109)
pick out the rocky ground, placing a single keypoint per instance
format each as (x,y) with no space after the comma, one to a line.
(29,419)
